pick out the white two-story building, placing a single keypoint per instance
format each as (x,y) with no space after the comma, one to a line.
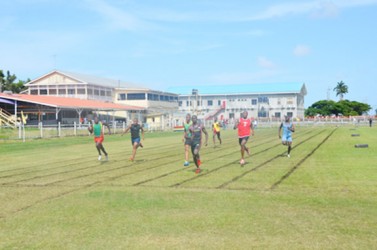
(262,101)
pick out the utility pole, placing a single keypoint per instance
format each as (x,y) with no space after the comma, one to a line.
(328,94)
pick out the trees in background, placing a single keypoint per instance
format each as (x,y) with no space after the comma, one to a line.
(8,82)
(341,89)
(344,107)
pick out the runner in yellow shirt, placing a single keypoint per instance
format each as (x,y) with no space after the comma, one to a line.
(216,131)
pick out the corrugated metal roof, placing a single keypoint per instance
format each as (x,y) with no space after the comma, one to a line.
(259,88)
(68,103)
(90,79)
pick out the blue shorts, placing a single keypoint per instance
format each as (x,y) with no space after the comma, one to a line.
(286,138)
(137,140)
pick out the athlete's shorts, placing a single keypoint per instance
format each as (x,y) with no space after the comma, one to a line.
(187,141)
(286,138)
(99,139)
(137,140)
(216,132)
(246,138)
(194,145)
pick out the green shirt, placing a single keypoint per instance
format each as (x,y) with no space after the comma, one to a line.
(97,129)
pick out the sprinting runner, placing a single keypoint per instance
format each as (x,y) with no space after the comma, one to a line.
(135,129)
(216,131)
(187,138)
(288,127)
(97,129)
(196,130)
(245,129)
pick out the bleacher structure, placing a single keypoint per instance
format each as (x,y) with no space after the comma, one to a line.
(7,119)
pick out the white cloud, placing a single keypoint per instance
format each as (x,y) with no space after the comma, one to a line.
(314,8)
(301,50)
(118,18)
(265,63)
(326,9)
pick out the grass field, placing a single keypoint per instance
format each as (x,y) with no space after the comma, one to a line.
(55,194)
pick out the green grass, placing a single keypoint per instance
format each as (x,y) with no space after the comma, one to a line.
(56,195)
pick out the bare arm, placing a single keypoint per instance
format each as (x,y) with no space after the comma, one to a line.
(127,129)
(106,125)
(142,132)
(293,128)
(206,134)
(252,128)
(236,124)
(279,133)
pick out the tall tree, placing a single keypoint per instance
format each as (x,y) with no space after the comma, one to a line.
(1,81)
(341,89)
(7,82)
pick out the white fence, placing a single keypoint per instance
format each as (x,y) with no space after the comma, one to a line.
(62,130)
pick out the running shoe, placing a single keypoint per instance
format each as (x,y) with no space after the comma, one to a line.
(242,162)
(131,159)
(107,157)
(199,163)
(186,163)
(197,171)
(99,157)
(141,145)
(289,156)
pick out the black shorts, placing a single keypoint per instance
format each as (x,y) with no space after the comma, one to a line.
(195,144)
(243,138)
(187,141)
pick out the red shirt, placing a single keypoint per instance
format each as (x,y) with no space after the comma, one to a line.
(244,127)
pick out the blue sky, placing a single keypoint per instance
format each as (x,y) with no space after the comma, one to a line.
(164,43)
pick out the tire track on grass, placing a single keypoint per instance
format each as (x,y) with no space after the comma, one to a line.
(264,163)
(184,169)
(234,162)
(294,168)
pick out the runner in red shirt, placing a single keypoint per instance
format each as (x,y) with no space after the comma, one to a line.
(245,129)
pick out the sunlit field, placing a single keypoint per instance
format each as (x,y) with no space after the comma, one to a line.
(55,194)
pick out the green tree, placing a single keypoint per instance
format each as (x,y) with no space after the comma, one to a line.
(329,107)
(341,89)
(7,82)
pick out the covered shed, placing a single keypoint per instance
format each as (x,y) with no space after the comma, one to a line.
(53,109)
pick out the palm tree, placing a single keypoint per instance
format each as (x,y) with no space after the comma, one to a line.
(341,89)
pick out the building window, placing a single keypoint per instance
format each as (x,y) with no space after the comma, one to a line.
(43,91)
(71,91)
(103,92)
(219,103)
(136,96)
(96,92)
(153,97)
(263,99)
(122,97)
(279,101)
(289,101)
(180,103)
(61,91)
(81,91)
(277,114)
(290,114)
(262,113)
(52,91)
(210,103)
(254,101)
